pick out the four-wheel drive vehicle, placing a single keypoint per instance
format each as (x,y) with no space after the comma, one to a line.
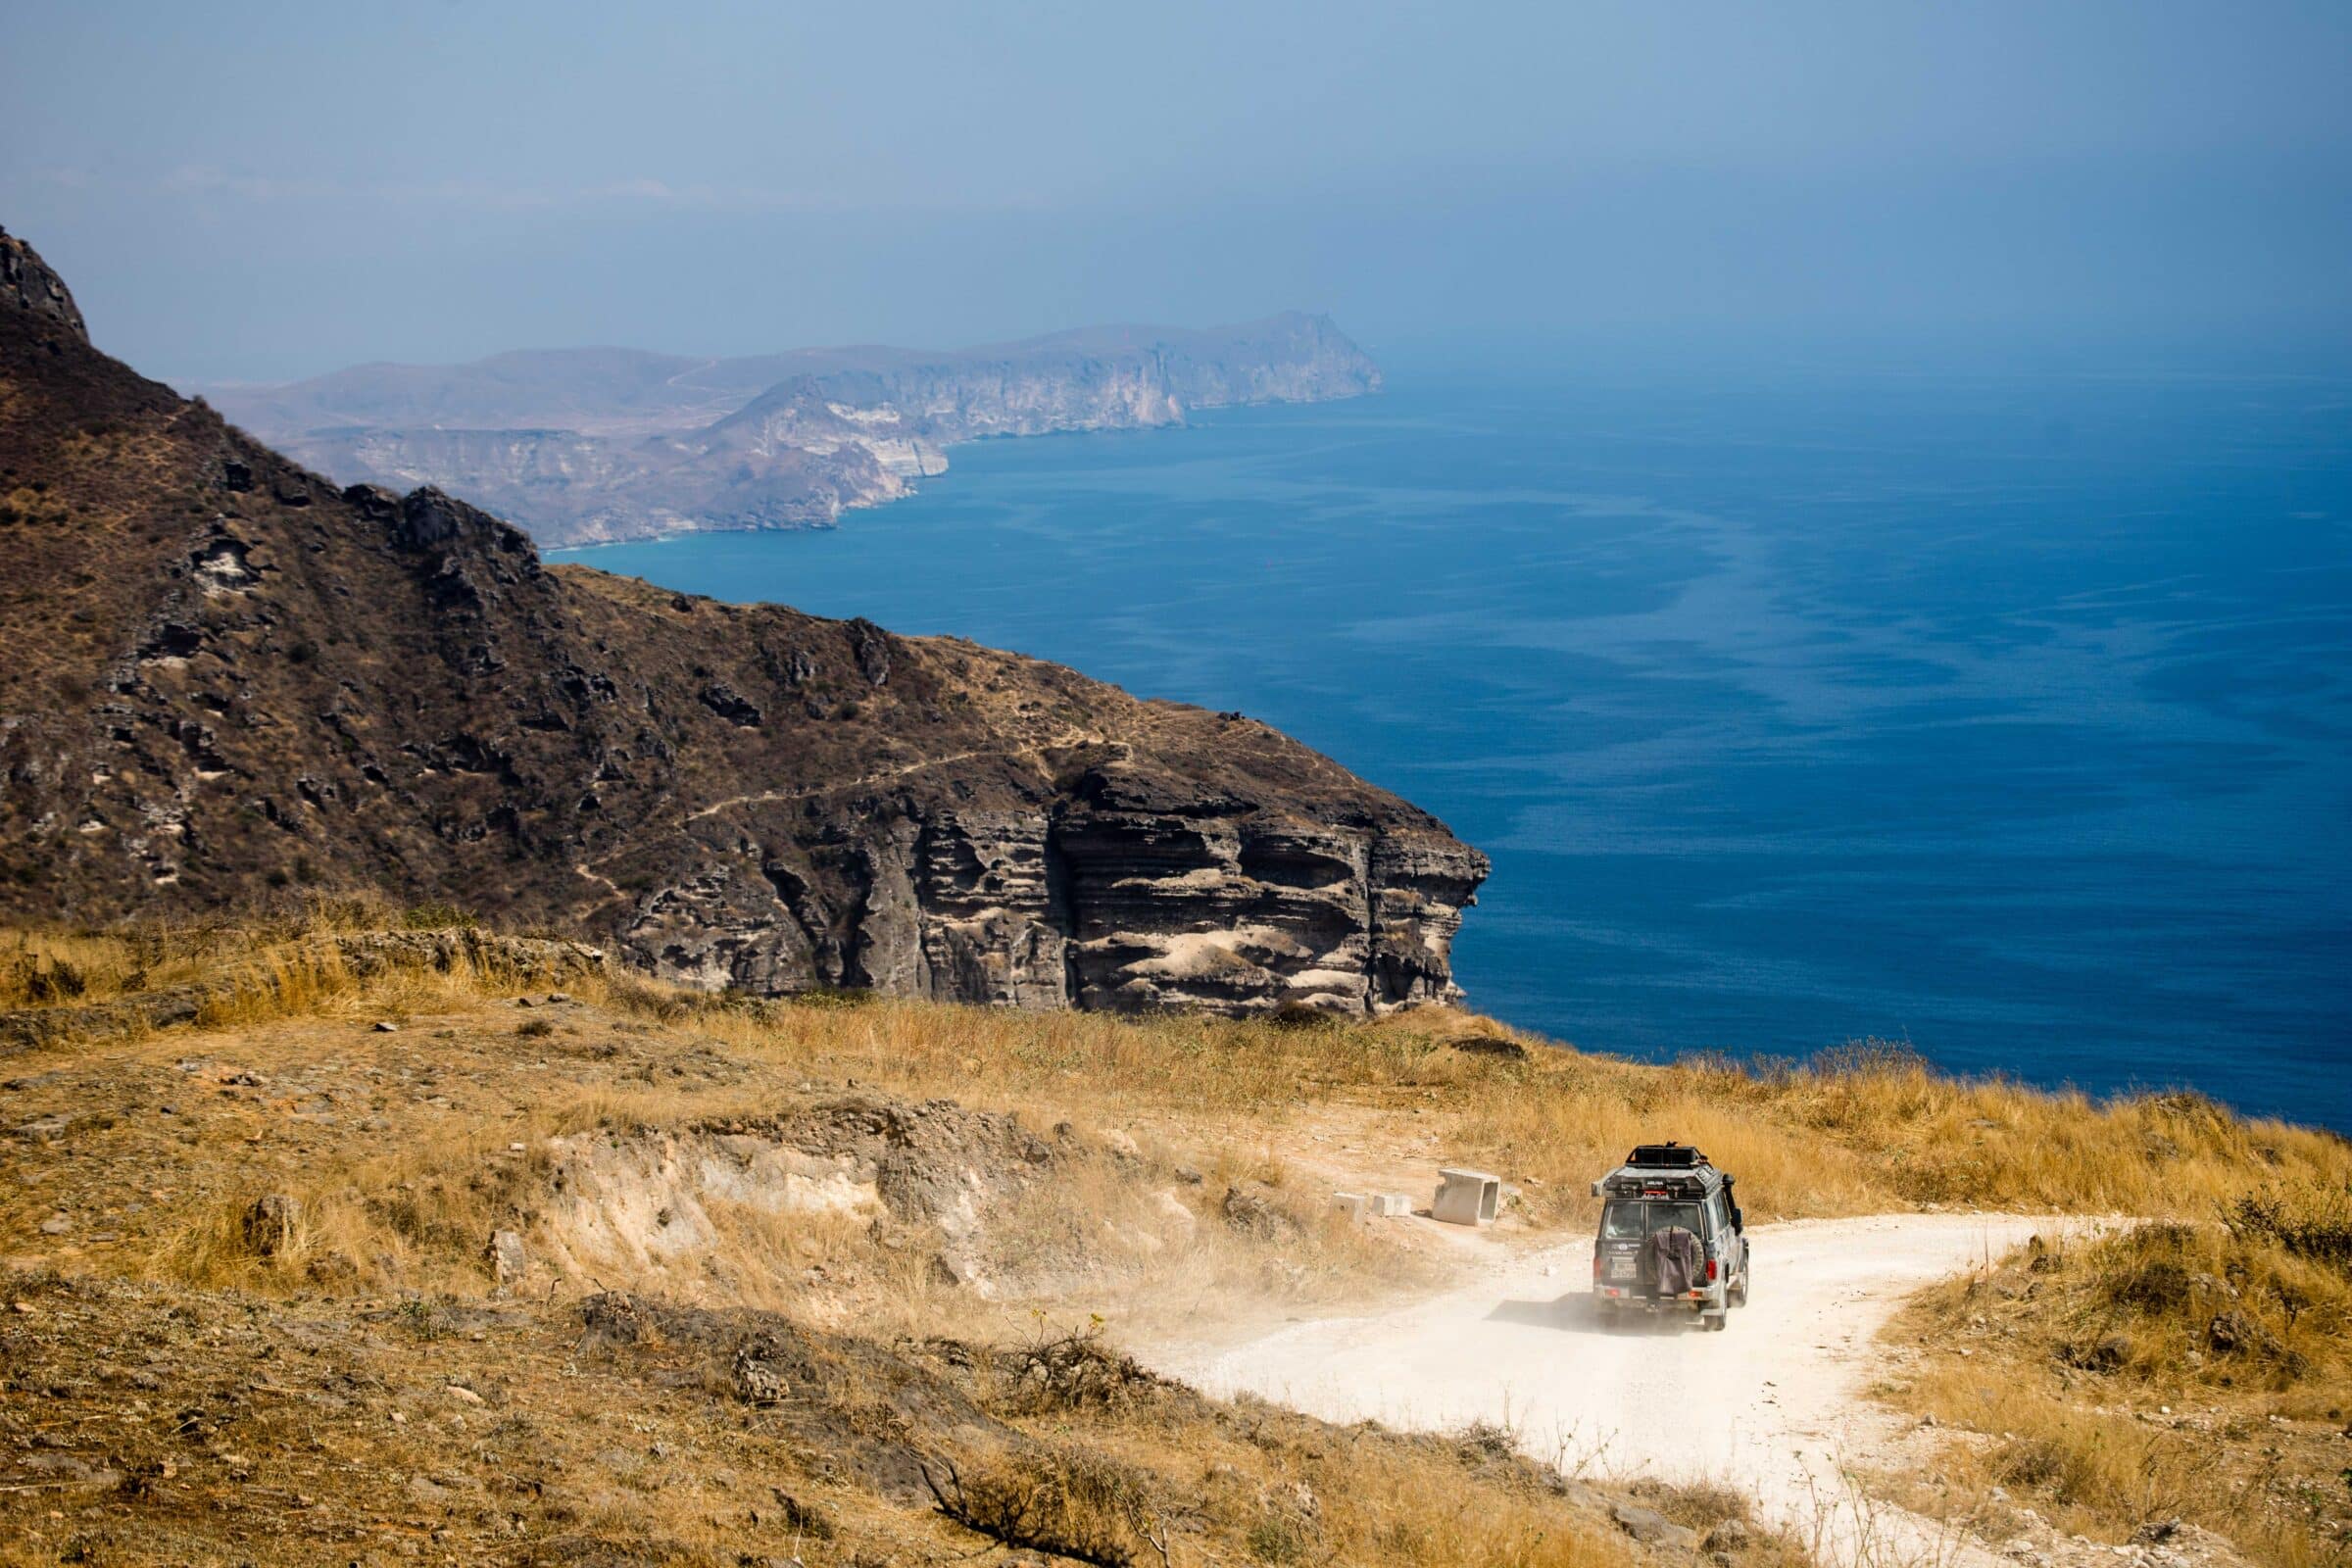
(1640,1263)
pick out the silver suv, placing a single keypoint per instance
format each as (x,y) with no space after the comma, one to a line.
(1666,1187)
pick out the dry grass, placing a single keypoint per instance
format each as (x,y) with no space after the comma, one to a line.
(411,1213)
(316,1431)
(280,964)
(399,1151)
(1853,1131)
(64,968)
(531,1441)
(403,1151)
(1135,1477)
(2196,1371)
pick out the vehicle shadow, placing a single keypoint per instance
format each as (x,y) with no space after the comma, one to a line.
(1579,1312)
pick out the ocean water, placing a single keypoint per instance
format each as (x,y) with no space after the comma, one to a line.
(2010,716)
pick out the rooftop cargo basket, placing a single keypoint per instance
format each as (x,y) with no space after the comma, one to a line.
(1663,1170)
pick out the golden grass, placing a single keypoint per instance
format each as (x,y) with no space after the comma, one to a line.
(2168,1371)
(267,1451)
(415,1216)
(1854,1131)
(64,968)
(1879,1122)
(1849,1132)
(276,965)
(1135,1473)
(407,1206)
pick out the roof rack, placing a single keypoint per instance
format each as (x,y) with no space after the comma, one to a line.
(1663,1170)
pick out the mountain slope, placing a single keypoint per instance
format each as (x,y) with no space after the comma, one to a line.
(591,444)
(228,676)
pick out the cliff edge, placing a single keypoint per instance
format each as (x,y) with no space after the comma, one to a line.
(230,675)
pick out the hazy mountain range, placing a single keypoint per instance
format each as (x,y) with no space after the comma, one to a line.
(586,444)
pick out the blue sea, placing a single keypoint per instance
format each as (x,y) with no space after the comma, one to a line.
(2006,714)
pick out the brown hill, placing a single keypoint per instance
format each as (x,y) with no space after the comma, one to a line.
(224,676)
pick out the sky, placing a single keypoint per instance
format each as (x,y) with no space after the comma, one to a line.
(262,191)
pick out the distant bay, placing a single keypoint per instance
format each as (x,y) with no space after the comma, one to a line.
(2008,715)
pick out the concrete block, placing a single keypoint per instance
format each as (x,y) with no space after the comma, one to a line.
(1466,1198)
(1391,1205)
(1355,1206)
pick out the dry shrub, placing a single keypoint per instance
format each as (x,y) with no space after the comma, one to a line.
(1067,1372)
(1052,1497)
(48,968)
(32,979)
(1700,1505)
(1386,1503)
(2310,1223)
(2141,1376)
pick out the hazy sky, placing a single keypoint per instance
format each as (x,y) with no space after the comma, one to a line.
(263,190)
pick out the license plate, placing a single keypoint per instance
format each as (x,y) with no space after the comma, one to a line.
(1621,1268)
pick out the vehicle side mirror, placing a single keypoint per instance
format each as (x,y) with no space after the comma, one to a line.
(1596,1189)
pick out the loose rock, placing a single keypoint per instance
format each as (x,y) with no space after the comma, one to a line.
(507,1258)
(271,1224)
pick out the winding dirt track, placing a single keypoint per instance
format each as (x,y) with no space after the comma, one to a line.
(1774,1405)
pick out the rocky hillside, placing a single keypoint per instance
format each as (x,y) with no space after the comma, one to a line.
(228,676)
(601,444)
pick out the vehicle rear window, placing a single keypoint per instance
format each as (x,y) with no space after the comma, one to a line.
(1681,1216)
(1630,1219)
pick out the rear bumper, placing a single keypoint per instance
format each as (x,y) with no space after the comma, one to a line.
(1631,1298)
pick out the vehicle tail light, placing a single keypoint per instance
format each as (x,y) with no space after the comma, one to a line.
(1596,1265)
(1710,1269)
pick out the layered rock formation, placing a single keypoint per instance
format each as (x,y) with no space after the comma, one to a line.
(231,680)
(599,444)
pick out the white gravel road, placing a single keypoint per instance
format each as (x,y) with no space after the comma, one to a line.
(1773,1406)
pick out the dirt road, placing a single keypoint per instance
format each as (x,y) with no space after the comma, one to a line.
(1774,1405)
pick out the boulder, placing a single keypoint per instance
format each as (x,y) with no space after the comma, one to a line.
(1652,1527)
(271,1224)
(506,1260)
(1253,1214)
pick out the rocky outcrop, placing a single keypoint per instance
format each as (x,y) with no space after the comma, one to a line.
(1212,903)
(238,681)
(27,284)
(608,444)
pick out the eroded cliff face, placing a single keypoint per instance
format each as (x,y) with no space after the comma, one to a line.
(602,445)
(231,680)
(1075,907)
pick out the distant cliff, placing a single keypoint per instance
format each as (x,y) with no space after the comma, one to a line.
(599,444)
(228,675)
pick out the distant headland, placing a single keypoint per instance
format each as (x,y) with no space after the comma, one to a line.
(586,446)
